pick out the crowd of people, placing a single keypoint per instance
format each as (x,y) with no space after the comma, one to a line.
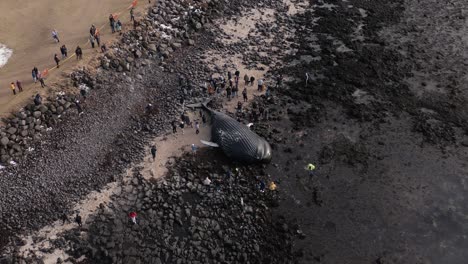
(94,39)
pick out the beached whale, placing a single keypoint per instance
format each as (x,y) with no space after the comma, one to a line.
(236,140)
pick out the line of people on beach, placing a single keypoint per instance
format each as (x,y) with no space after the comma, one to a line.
(94,39)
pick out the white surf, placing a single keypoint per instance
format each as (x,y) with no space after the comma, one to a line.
(5,54)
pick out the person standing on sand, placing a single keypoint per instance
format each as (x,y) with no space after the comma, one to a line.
(19,85)
(57,60)
(203,119)
(62,51)
(55,36)
(153,152)
(91,40)
(78,220)
(246,79)
(36,71)
(118,26)
(112,23)
(97,37)
(34,74)
(79,53)
(228,93)
(92,30)
(244,94)
(132,16)
(237,74)
(252,80)
(13,88)
(197,127)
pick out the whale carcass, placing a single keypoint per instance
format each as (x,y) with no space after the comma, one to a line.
(236,140)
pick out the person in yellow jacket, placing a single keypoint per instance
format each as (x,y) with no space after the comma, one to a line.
(13,88)
(272,186)
(310,168)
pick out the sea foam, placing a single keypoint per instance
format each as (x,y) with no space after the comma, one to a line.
(5,54)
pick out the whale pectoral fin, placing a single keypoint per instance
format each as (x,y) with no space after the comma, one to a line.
(198,105)
(208,143)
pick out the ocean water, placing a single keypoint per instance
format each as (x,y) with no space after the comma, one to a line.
(5,54)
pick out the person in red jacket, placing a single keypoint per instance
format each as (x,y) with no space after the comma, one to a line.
(133,216)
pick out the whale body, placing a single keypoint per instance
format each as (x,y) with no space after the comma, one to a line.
(236,140)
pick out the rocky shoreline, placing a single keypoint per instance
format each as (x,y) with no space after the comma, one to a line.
(353,102)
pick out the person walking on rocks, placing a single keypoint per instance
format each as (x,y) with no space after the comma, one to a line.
(244,94)
(260,85)
(64,218)
(103,48)
(279,80)
(41,80)
(57,60)
(153,152)
(133,216)
(37,99)
(174,127)
(310,169)
(197,127)
(79,53)
(272,186)
(261,186)
(78,107)
(19,85)
(182,125)
(13,88)
(78,220)
(194,149)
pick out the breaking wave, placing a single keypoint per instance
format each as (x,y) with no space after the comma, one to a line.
(5,54)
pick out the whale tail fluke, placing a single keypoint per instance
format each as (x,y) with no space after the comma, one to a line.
(200,105)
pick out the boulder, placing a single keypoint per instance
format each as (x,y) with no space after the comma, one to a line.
(12,130)
(37,114)
(4,141)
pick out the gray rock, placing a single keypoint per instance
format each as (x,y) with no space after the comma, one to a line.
(152,47)
(37,114)
(4,141)
(12,130)
(176,45)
